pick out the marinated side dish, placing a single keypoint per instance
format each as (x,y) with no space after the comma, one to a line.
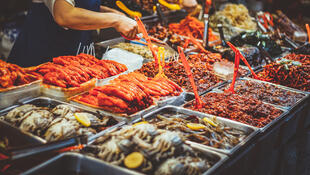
(129,93)
(240,108)
(12,75)
(144,51)
(266,92)
(56,123)
(147,149)
(72,71)
(201,130)
(235,18)
(211,58)
(291,71)
(175,71)
(191,26)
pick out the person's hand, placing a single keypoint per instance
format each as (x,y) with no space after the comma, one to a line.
(127,26)
(189,5)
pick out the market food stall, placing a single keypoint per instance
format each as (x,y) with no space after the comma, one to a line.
(188,108)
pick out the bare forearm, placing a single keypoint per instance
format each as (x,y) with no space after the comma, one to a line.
(81,19)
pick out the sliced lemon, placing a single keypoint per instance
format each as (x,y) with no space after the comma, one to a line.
(134,160)
(82,118)
(139,123)
(209,121)
(195,126)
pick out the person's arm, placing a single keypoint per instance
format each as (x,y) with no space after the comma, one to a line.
(110,10)
(68,16)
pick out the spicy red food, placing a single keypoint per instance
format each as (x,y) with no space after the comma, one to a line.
(13,75)
(292,71)
(240,108)
(72,71)
(129,93)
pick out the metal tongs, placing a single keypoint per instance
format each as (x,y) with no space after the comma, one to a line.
(11,155)
(160,13)
(283,36)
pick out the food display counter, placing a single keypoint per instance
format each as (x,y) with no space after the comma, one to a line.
(217,118)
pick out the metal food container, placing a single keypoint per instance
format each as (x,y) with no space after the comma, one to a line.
(219,159)
(47,102)
(122,116)
(64,93)
(292,120)
(220,88)
(119,116)
(249,130)
(14,94)
(74,163)
(263,129)
(16,137)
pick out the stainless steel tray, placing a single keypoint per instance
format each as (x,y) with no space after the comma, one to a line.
(74,163)
(63,94)
(250,131)
(261,69)
(121,117)
(263,129)
(209,154)
(8,98)
(48,102)
(277,86)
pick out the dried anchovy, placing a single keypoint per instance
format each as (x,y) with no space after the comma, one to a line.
(266,92)
(243,109)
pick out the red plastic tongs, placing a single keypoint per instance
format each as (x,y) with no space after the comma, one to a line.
(238,55)
(199,102)
(147,38)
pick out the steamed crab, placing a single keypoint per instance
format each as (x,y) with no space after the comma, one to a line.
(183,165)
(62,128)
(143,131)
(16,115)
(110,151)
(36,121)
(164,145)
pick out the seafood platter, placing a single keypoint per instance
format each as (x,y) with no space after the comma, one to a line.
(48,120)
(190,107)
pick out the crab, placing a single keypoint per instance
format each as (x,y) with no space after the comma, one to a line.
(165,144)
(183,165)
(36,121)
(110,151)
(17,115)
(62,111)
(60,128)
(143,131)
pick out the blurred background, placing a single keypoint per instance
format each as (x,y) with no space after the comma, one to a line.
(13,14)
